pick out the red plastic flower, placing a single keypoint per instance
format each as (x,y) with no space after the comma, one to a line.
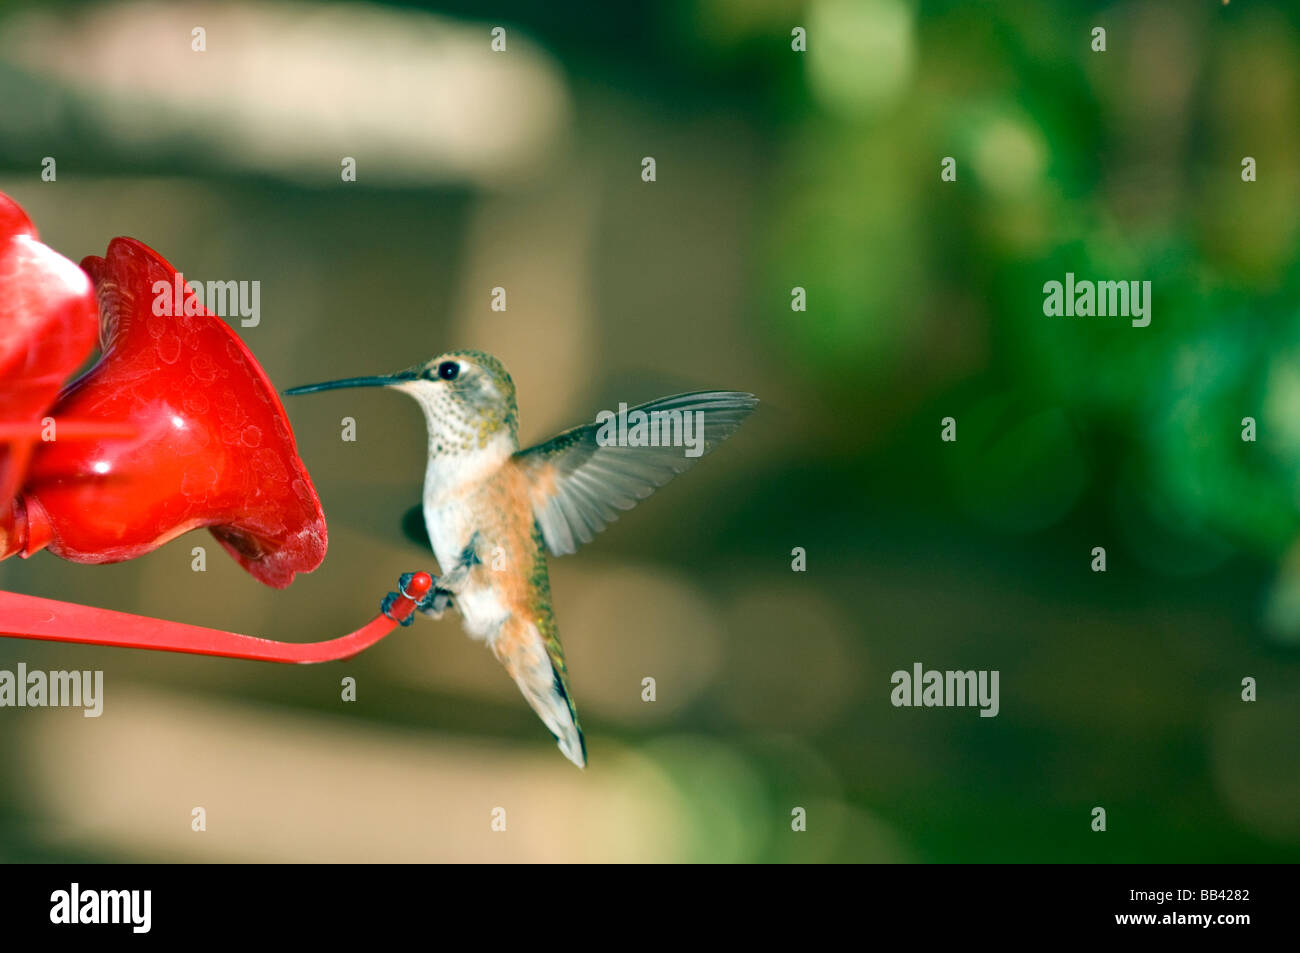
(209,443)
(47,328)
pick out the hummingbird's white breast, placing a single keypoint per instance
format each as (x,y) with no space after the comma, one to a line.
(459,515)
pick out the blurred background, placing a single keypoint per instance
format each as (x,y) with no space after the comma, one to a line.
(774,169)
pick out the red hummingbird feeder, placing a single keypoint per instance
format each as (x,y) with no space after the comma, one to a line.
(176,427)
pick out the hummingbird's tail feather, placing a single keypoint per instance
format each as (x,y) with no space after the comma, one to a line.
(536,663)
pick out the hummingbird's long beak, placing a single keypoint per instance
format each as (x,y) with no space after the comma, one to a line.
(384,381)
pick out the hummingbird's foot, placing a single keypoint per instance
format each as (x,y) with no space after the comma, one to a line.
(388,604)
(435,602)
(392,597)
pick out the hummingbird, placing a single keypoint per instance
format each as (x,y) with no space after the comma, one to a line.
(493,512)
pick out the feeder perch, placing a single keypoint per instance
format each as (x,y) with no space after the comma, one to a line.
(30,617)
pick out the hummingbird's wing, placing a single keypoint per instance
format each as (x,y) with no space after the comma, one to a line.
(580,479)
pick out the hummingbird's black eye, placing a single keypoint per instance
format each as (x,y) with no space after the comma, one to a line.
(448,370)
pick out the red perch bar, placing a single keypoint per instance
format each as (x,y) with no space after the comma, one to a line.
(30,617)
